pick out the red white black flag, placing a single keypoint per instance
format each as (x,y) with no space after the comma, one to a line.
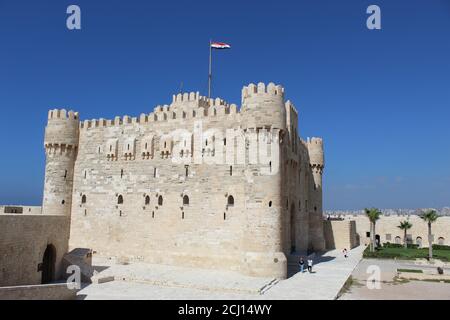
(220,45)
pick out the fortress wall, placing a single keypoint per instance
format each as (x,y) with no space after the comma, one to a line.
(387,225)
(158,233)
(125,165)
(54,291)
(295,190)
(19,209)
(340,234)
(23,240)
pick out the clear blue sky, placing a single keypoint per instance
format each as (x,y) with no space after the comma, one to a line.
(380,99)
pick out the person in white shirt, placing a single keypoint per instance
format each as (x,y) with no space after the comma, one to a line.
(310,263)
(345,253)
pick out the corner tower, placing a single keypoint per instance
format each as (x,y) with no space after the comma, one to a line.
(316,163)
(263,118)
(263,106)
(61,146)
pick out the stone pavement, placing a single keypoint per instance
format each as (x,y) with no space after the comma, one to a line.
(330,271)
(391,289)
(144,281)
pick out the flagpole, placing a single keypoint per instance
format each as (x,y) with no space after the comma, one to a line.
(210,72)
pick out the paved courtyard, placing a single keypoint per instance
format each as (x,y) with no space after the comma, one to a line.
(392,289)
(145,281)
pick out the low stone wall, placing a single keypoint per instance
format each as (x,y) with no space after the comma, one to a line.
(340,234)
(58,291)
(23,241)
(387,229)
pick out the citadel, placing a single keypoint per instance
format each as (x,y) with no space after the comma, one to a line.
(198,182)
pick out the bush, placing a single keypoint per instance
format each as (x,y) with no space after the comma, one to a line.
(392,245)
(410,270)
(440,247)
(397,245)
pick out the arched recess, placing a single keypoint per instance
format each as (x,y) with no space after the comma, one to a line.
(48,264)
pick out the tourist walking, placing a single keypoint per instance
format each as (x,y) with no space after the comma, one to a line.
(345,253)
(310,264)
(301,264)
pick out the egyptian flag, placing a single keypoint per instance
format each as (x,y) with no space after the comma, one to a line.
(220,45)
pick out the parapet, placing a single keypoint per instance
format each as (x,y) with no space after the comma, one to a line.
(62,114)
(62,129)
(263,106)
(183,106)
(261,89)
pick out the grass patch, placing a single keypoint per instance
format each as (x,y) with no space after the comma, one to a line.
(410,270)
(436,280)
(406,254)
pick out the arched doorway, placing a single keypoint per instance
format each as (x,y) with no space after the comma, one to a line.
(377,240)
(419,241)
(293,229)
(48,264)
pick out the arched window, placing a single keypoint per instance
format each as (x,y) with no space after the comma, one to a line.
(120,199)
(398,240)
(230,201)
(270,204)
(160,201)
(83,199)
(441,241)
(147,200)
(419,241)
(185,200)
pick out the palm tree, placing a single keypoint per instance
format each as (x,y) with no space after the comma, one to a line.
(429,217)
(373,214)
(405,225)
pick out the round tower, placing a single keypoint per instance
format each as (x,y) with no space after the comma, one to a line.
(61,146)
(316,163)
(263,106)
(316,160)
(263,113)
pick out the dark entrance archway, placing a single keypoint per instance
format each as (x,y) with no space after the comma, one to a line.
(48,264)
(293,229)
(377,240)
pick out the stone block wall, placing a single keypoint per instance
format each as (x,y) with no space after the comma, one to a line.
(23,241)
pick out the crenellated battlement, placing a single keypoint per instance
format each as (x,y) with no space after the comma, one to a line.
(262,89)
(186,97)
(62,114)
(315,142)
(62,130)
(204,108)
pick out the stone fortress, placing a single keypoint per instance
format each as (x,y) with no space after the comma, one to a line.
(198,183)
